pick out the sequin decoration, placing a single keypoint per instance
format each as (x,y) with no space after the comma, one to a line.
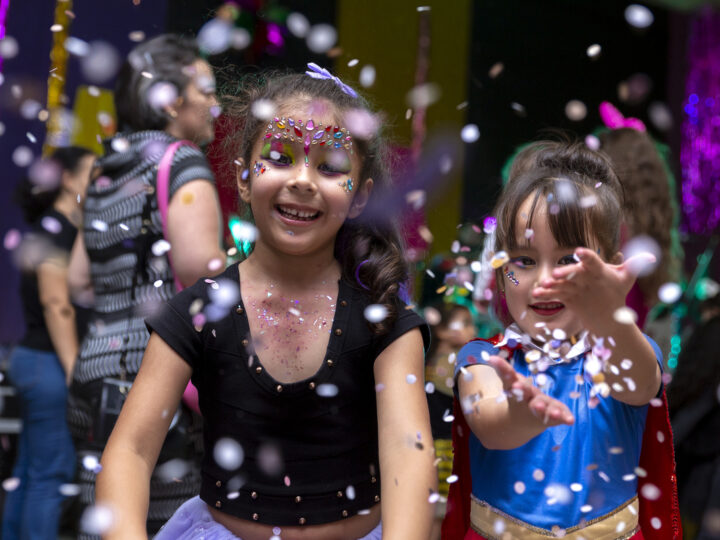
(510,274)
(259,168)
(313,134)
(347,185)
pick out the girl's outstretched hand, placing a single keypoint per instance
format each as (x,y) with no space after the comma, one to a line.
(592,289)
(549,410)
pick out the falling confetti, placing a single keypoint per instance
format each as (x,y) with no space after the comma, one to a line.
(161,94)
(575,110)
(97,519)
(594,50)
(214,36)
(11,484)
(375,313)
(367,76)
(669,293)
(100,63)
(639,16)
(470,133)
(327,390)
(160,247)
(496,70)
(499,259)
(22,156)
(298,24)
(264,109)
(650,492)
(423,95)
(228,453)
(321,38)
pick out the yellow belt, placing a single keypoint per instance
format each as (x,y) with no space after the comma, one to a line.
(619,524)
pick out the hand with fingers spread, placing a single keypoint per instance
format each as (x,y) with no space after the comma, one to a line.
(550,411)
(592,289)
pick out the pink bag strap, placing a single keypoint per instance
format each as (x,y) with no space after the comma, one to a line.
(163,191)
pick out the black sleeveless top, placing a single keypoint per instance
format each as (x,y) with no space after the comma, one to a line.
(303,455)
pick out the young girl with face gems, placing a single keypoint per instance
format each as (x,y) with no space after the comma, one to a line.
(557,430)
(308,364)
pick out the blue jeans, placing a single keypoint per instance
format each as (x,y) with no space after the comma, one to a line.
(46,457)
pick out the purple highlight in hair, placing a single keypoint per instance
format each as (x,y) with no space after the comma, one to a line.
(700,150)
(357,275)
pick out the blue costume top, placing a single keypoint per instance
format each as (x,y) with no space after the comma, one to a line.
(566,474)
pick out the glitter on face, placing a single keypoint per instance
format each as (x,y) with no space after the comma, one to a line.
(309,133)
(510,274)
(347,186)
(258,168)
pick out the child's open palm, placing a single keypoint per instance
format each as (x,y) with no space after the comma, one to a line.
(592,289)
(550,411)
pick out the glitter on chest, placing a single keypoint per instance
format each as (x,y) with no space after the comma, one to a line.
(291,334)
(295,317)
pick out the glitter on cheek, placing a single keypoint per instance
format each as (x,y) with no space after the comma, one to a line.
(347,185)
(259,168)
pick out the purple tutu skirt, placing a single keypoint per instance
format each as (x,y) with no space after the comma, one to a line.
(193,521)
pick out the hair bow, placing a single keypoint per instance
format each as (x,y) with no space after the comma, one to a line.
(321,73)
(614,119)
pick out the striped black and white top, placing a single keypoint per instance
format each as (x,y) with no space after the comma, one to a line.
(131,277)
(130,272)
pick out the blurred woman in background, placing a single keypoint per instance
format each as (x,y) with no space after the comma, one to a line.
(42,363)
(165,92)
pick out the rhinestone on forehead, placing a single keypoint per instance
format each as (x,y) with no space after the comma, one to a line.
(309,134)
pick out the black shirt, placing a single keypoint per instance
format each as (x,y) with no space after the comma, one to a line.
(301,451)
(51,235)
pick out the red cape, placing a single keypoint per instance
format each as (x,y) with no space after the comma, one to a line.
(657,458)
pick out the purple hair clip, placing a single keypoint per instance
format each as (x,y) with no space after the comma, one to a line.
(316,72)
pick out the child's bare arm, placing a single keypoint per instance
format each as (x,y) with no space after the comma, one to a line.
(405,441)
(123,485)
(500,422)
(595,291)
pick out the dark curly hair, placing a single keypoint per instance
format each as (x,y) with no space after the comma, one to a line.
(372,248)
(163,57)
(649,207)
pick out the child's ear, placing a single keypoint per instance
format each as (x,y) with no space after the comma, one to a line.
(618,258)
(242,177)
(361,199)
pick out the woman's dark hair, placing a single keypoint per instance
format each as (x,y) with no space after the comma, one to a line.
(34,199)
(578,187)
(649,207)
(165,58)
(369,249)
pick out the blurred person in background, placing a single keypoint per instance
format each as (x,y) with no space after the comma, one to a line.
(42,363)
(126,267)
(451,327)
(650,214)
(694,399)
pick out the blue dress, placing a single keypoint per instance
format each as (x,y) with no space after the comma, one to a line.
(566,474)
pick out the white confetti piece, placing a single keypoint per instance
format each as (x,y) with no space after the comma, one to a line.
(327,390)
(650,492)
(470,133)
(228,453)
(375,313)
